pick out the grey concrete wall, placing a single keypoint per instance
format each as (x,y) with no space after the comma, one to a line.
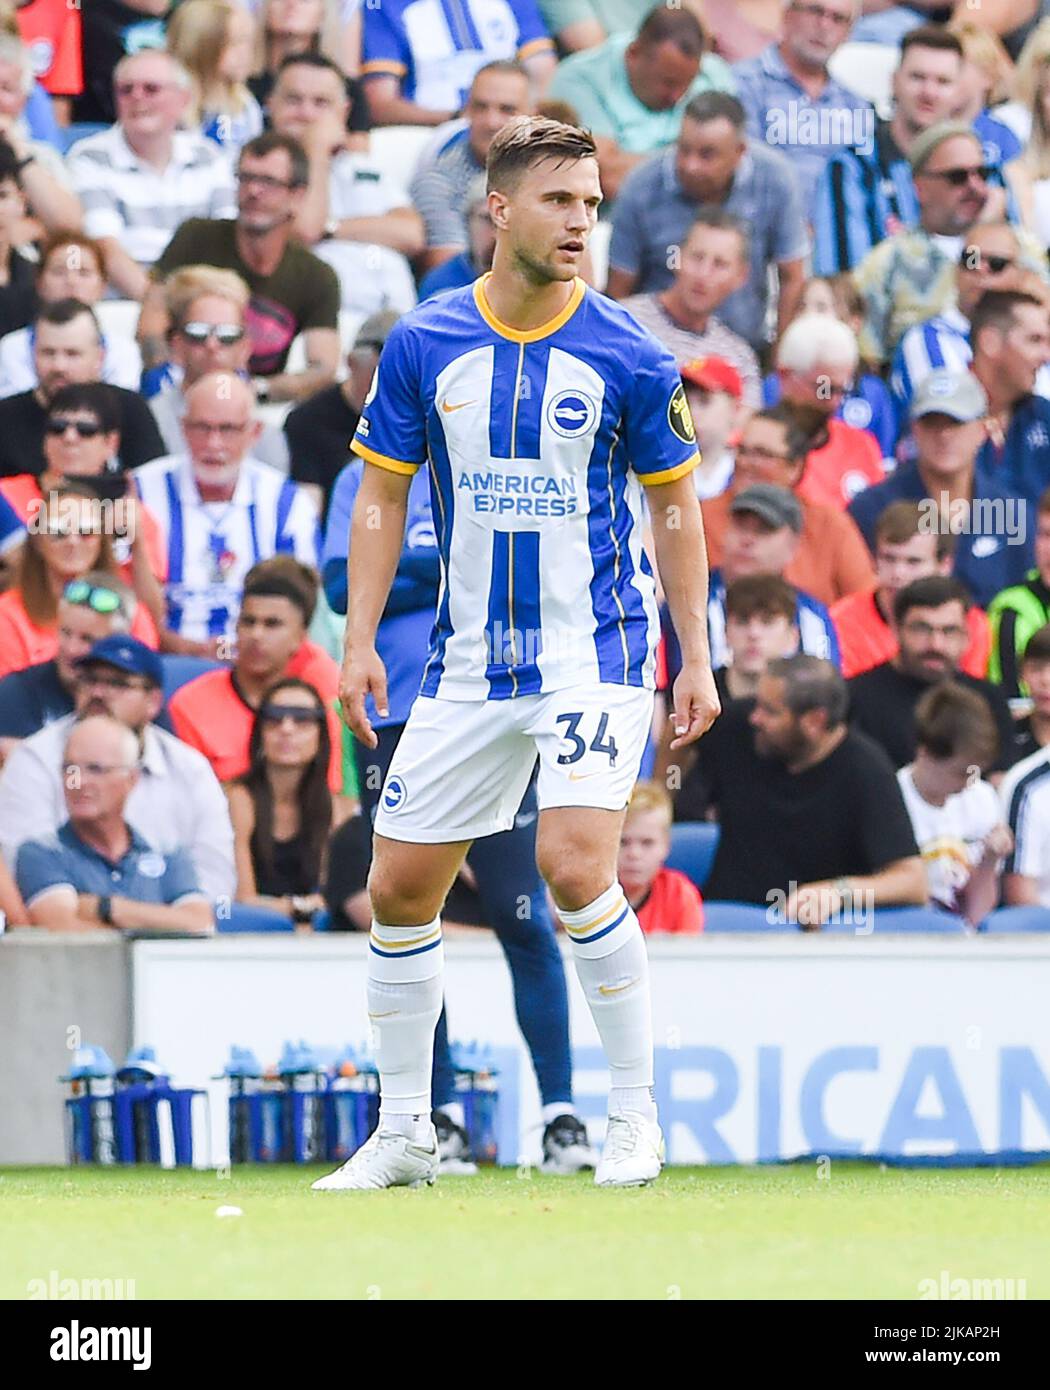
(51,985)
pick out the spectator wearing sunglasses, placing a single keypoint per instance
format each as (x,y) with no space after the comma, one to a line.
(868,192)
(991,259)
(207,312)
(143,177)
(176,804)
(68,538)
(71,266)
(214,712)
(81,445)
(221,511)
(913,272)
(67,348)
(292,291)
(97,871)
(90,608)
(282,808)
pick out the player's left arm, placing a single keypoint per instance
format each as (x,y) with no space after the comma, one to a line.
(681,559)
(661,445)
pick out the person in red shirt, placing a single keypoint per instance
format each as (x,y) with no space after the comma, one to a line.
(66,539)
(81,444)
(816,362)
(832,558)
(905,550)
(215,712)
(663,899)
(50,29)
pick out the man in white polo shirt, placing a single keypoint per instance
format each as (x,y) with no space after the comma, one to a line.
(221,511)
(1025,797)
(143,177)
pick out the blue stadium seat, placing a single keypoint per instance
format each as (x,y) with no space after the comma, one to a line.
(920,920)
(245,918)
(1017,919)
(693,845)
(741,917)
(179,670)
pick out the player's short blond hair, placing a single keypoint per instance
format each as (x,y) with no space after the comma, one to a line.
(192,282)
(650,796)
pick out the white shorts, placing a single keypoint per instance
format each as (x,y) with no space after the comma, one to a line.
(463,766)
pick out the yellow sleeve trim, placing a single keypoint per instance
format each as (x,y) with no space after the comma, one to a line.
(385,67)
(668,475)
(534,46)
(384,460)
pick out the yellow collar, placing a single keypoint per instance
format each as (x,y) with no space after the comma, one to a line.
(531,335)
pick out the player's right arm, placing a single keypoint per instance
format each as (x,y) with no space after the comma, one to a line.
(377,532)
(391,438)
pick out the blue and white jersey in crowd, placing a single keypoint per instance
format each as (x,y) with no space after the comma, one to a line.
(536,442)
(12,532)
(942,341)
(403,638)
(816,631)
(436,46)
(211,546)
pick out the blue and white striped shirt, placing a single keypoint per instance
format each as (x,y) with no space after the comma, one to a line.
(536,443)
(212,545)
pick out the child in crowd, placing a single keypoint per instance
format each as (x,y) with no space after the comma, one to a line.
(954,813)
(663,899)
(214,40)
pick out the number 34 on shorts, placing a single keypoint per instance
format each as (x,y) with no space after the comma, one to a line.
(462,767)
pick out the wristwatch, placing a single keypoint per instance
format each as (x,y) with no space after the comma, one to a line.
(105,909)
(262,389)
(301,910)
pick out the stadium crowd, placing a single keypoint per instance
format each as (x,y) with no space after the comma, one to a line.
(212,214)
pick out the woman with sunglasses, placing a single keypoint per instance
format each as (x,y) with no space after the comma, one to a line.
(81,444)
(66,538)
(282,809)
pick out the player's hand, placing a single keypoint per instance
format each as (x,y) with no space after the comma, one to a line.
(363,674)
(696,704)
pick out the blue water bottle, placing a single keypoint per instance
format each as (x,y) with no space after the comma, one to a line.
(305,1083)
(91,1132)
(245,1077)
(344,1099)
(476,1088)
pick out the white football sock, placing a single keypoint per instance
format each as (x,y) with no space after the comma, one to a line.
(613,970)
(405,971)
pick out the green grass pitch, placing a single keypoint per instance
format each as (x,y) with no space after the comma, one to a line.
(779,1232)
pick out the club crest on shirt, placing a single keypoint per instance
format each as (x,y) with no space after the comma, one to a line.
(678,416)
(571,413)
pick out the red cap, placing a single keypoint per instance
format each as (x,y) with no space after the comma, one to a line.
(714,374)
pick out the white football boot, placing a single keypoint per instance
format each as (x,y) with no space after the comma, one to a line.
(387,1159)
(633,1152)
